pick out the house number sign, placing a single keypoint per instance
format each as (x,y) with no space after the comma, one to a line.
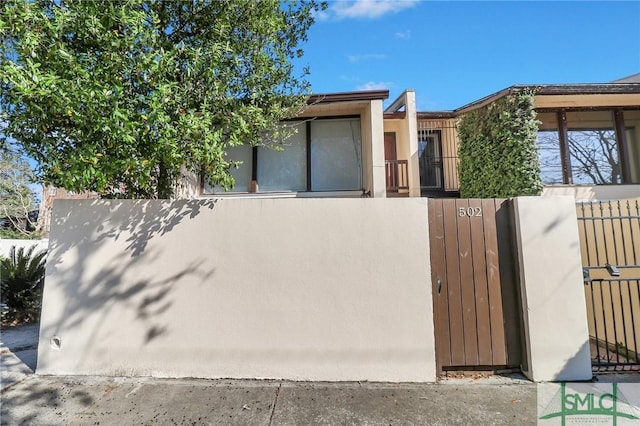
(470,211)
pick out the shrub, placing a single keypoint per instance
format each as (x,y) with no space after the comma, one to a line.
(498,152)
(21,283)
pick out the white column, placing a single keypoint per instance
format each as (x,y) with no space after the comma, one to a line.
(379,186)
(412,132)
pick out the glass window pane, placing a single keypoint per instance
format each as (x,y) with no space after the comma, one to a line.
(593,149)
(336,161)
(284,170)
(430,159)
(242,174)
(549,149)
(632,131)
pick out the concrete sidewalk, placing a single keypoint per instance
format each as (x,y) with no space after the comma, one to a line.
(32,399)
(18,353)
(46,400)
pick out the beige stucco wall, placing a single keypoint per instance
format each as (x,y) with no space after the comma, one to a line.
(593,192)
(552,290)
(302,289)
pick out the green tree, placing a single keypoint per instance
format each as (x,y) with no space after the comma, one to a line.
(17,199)
(120,97)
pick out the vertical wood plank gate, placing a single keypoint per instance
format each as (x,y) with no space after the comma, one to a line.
(476,303)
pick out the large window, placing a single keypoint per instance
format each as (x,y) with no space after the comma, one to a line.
(336,162)
(632,135)
(242,175)
(591,138)
(323,155)
(583,147)
(549,149)
(284,170)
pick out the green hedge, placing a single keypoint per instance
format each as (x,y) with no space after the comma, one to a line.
(497,150)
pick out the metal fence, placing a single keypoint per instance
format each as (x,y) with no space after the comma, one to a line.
(443,160)
(610,244)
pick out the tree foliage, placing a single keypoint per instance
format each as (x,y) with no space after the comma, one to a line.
(497,150)
(121,97)
(17,200)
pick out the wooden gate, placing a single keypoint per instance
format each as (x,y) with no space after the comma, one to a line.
(609,235)
(476,303)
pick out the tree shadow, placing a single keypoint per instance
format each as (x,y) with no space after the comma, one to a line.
(92,246)
(22,342)
(24,406)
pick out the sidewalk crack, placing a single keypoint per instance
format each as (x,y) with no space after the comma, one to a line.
(6,388)
(275,401)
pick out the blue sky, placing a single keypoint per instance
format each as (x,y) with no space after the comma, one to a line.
(455,52)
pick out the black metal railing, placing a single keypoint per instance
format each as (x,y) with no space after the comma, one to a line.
(609,235)
(439,173)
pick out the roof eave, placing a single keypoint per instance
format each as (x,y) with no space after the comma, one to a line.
(554,89)
(587,89)
(424,115)
(400,115)
(368,95)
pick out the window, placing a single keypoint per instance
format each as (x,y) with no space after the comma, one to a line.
(583,147)
(336,162)
(284,170)
(593,150)
(549,149)
(632,135)
(430,159)
(241,174)
(323,155)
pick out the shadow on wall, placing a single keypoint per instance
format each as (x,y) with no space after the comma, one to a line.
(95,253)
(575,366)
(568,276)
(509,280)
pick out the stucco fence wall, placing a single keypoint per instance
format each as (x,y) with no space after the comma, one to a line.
(316,289)
(301,289)
(6,244)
